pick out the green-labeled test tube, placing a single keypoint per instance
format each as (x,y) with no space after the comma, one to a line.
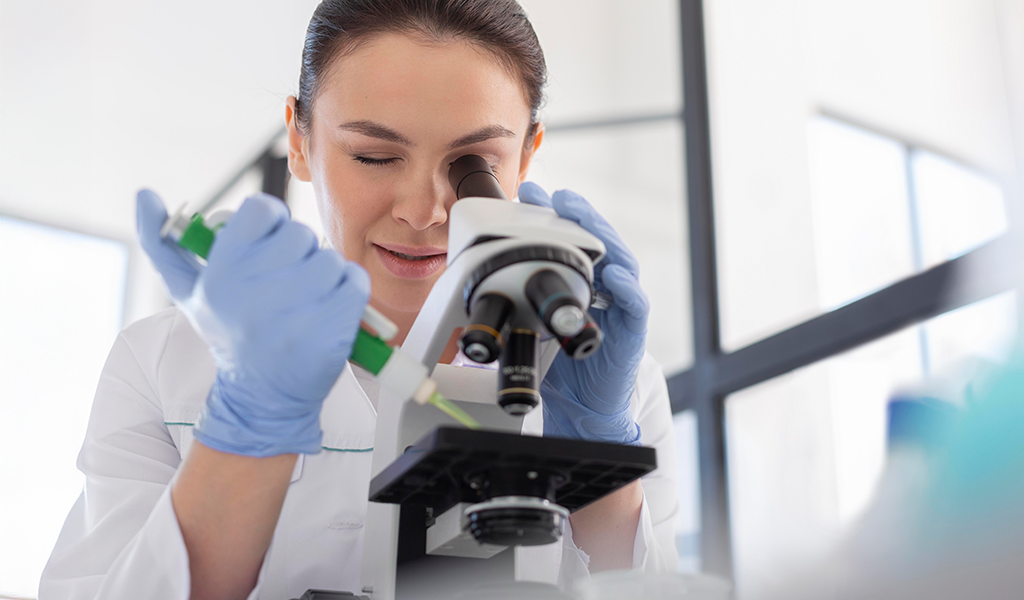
(394,370)
(192,234)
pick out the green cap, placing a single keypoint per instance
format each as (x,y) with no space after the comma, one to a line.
(370,352)
(197,237)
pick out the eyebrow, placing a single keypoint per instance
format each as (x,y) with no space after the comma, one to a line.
(376,130)
(481,135)
(382,132)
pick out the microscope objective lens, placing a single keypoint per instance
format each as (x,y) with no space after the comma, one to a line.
(477,352)
(483,339)
(567,320)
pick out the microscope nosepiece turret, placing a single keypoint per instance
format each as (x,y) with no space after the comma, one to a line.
(538,285)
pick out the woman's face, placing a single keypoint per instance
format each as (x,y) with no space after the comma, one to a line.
(389,119)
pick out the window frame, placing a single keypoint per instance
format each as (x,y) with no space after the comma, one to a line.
(715,373)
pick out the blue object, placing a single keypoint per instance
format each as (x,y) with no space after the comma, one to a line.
(979,484)
(279,315)
(589,399)
(923,422)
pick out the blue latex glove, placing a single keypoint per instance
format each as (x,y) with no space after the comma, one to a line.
(589,399)
(279,315)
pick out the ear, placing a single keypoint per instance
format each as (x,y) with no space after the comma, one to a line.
(298,149)
(529,151)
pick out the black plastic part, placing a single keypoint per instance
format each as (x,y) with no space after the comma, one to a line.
(412,533)
(518,373)
(518,255)
(471,176)
(584,343)
(515,527)
(483,239)
(330,595)
(517,480)
(547,291)
(488,328)
(437,470)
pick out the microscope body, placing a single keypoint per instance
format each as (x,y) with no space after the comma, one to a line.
(518,284)
(494,247)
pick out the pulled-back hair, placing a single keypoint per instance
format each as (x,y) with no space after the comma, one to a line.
(498,26)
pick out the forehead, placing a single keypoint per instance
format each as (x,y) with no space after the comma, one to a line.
(421,86)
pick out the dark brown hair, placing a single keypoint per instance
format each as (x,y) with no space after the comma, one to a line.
(498,26)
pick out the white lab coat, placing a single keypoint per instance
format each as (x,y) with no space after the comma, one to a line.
(122,540)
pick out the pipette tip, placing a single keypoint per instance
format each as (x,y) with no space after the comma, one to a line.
(453,411)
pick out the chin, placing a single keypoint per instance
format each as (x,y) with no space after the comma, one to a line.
(409,300)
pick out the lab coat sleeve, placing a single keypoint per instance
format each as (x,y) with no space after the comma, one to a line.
(121,538)
(655,549)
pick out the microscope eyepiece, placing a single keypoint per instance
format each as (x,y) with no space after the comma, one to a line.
(471,176)
(562,314)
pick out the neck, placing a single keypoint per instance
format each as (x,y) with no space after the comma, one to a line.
(404,321)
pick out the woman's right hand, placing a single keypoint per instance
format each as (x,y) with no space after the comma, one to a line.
(279,315)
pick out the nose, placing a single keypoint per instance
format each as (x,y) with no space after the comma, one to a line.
(425,203)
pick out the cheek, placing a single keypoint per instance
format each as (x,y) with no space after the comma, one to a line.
(508,176)
(350,206)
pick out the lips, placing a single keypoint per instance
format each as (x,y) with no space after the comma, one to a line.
(410,262)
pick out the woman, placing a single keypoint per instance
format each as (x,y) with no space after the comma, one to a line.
(228,453)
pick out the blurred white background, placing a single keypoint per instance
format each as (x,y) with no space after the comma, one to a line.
(854,143)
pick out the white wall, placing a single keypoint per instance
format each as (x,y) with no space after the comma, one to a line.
(98,99)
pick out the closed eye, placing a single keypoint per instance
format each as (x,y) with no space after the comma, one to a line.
(376,162)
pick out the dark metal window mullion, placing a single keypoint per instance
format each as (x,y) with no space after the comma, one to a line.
(275,176)
(716,552)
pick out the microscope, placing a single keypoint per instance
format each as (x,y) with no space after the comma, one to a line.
(452,507)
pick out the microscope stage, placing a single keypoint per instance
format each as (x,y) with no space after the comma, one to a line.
(451,465)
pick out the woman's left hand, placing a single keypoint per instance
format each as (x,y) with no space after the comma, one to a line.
(589,399)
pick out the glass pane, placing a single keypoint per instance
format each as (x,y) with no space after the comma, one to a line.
(608,58)
(962,343)
(634,177)
(688,490)
(959,209)
(804,451)
(928,73)
(862,228)
(60,311)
